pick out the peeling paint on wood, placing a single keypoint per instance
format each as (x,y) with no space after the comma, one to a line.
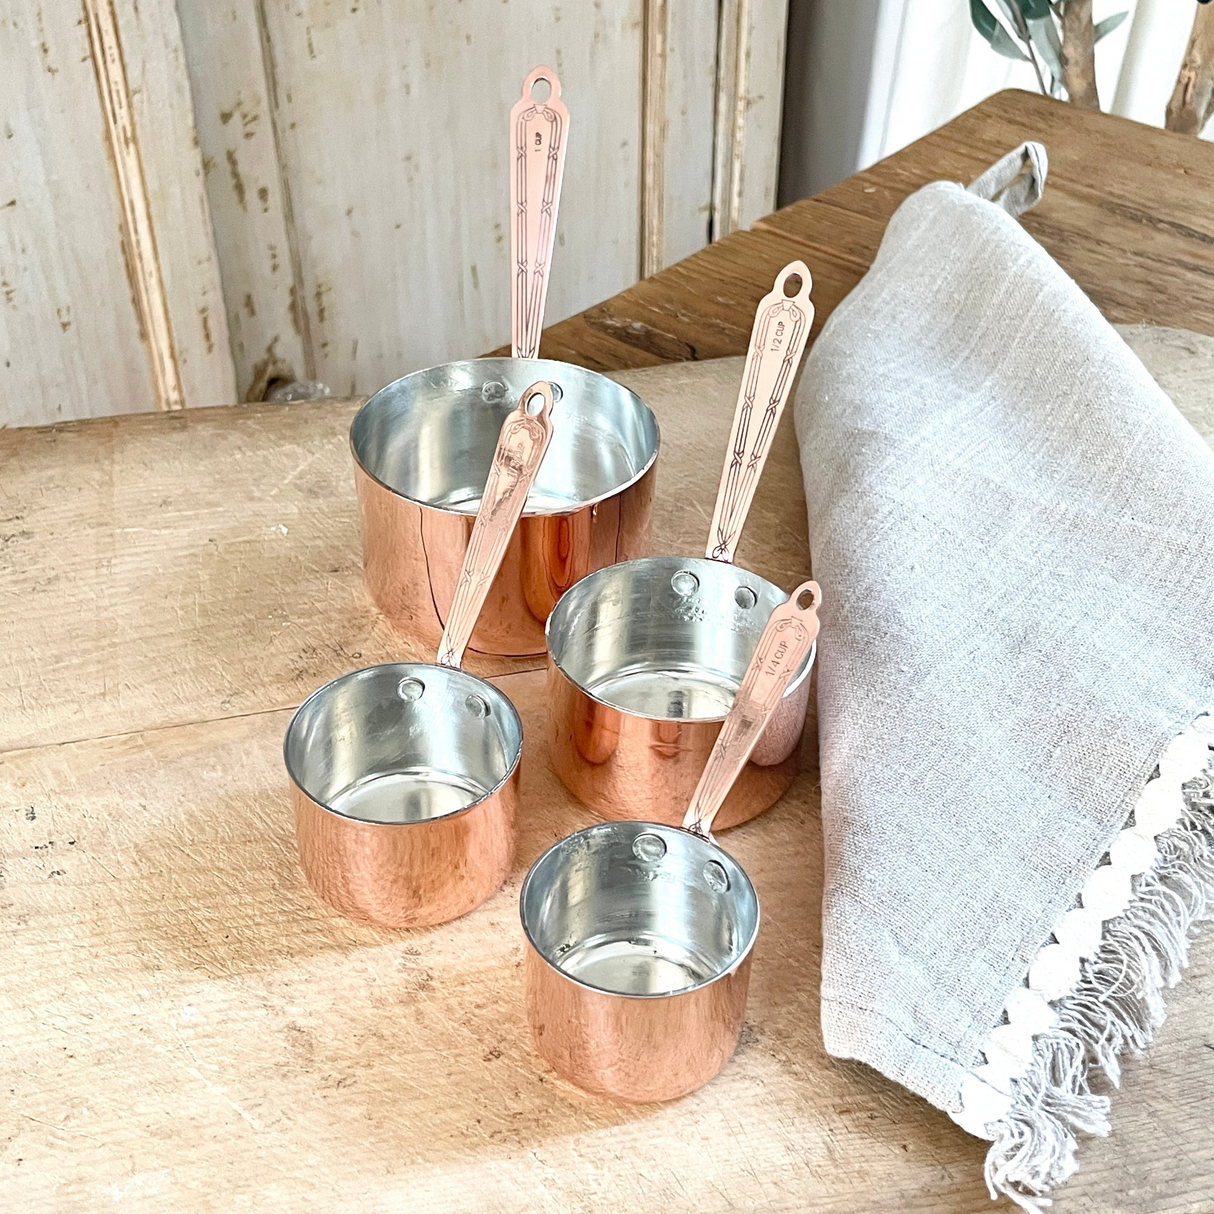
(107,241)
(139,235)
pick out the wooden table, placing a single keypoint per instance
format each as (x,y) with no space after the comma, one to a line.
(184,1027)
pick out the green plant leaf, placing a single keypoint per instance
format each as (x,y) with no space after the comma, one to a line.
(1034,10)
(1000,40)
(1107,26)
(1012,12)
(983,19)
(1004,44)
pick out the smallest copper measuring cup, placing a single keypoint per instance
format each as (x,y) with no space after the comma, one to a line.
(639,934)
(404,777)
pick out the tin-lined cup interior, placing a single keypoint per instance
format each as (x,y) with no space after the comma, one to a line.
(635,908)
(430,436)
(664,637)
(403,742)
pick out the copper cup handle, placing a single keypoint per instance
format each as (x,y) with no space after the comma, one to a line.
(777,341)
(521,445)
(538,132)
(790,632)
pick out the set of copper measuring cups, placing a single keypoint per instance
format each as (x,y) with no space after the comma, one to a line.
(505,507)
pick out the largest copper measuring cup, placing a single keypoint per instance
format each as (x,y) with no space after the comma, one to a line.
(422,445)
(640,935)
(645,656)
(404,777)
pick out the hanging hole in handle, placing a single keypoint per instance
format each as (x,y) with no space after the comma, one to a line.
(541,89)
(792,285)
(806,599)
(535,404)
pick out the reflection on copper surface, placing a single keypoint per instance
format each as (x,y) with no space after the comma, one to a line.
(634,1048)
(627,766)
(412,555)
(414,874)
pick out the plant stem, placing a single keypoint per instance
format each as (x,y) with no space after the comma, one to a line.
(1078,58)
(1028,46)
(1192,101)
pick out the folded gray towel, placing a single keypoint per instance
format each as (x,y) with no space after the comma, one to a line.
(1014,532)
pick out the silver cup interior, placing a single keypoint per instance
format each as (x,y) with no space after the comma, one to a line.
(403,742)
(667,637)
(430,436)
(635,908)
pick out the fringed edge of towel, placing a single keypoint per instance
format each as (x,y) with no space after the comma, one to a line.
(1095,988)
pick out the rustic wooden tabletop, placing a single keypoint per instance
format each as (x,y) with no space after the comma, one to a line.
(1127,213)
(183,1026)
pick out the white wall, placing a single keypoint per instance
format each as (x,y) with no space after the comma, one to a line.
(867,77)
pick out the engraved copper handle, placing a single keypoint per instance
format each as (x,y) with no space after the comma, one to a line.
(538,131)
(777,341)
(788,636)
(525,436)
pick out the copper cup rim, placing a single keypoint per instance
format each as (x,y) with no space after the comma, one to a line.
(497,693)
(528,511)
(585,585)
(605,827)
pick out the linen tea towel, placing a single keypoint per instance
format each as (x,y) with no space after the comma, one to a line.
(1014,530)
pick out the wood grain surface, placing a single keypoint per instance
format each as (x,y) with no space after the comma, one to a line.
(161,571)
(1126,212)
(184,1027)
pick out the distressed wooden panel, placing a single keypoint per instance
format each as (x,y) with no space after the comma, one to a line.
(392,118)
(70,343)
(74,273)
(232,77)
(163,113)
(750,99)
(680,89)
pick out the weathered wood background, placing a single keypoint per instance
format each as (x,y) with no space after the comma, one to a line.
(198,197)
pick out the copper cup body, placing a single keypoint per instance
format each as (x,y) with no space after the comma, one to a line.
(639,942)
(422,448)
(404,779)
(644,662)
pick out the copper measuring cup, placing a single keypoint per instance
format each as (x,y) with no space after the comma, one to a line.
(422,445)
(639,934)
(644,656)
(404,777)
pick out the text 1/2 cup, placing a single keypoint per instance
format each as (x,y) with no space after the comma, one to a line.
(404,776)
(645,656)
(639,934)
